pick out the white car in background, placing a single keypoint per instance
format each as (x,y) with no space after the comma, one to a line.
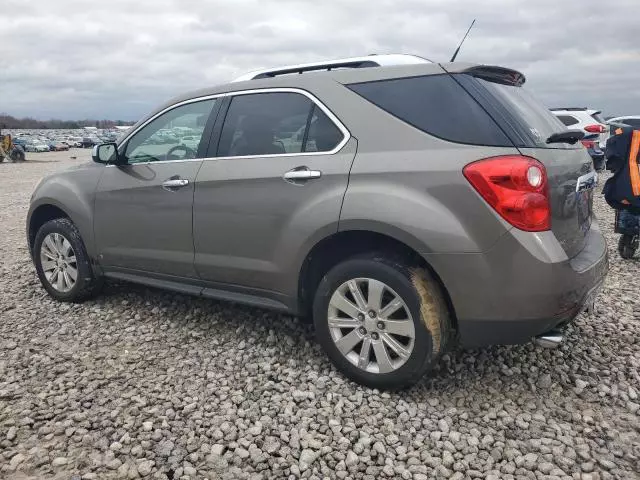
(585,119)
(631,120)
(36,147)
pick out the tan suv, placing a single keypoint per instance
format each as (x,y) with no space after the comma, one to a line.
(402,204)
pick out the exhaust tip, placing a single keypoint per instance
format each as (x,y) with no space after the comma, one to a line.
(551,339)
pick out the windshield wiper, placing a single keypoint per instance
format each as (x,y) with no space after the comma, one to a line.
(568,136)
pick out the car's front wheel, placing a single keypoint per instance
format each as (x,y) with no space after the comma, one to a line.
(62,263)
(382,323)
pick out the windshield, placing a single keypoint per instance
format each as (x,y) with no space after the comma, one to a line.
(531,116)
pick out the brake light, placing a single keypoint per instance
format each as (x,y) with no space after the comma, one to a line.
(516,187)
(588,143)
(594,128)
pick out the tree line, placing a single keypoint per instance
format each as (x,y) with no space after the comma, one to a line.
(8,121)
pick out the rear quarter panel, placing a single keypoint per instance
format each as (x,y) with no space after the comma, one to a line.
(409,185)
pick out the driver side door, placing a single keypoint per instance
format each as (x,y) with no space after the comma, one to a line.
(143,208)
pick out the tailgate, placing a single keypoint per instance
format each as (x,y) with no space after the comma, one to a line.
(529,124)
(571,187)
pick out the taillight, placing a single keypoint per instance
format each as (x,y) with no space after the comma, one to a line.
(588,143)
(516,187)
(594,128)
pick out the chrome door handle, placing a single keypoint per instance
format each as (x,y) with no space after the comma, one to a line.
(302,174)
(174,183)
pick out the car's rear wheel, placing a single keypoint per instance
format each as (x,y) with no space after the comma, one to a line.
(62,262)
(381,322)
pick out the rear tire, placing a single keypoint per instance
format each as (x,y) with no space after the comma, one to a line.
(59,255)
(627,246)
(381,358)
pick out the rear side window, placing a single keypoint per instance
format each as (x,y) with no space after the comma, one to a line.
(276,123)
(323,135)
(437,105)
(568,120)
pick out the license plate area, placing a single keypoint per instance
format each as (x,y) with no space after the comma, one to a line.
(584,199)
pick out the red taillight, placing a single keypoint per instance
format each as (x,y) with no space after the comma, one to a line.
(516,187)
(588,143)
(594,128)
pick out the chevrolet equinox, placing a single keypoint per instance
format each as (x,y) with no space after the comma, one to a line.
(405,206)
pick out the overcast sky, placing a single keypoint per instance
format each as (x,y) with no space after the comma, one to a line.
(118,59)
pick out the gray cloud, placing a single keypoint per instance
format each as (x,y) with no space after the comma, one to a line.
(118,59)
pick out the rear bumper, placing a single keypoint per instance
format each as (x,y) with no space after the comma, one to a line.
(524,286)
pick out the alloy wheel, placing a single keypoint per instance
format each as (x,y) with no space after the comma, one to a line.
(371,325)
(58,262)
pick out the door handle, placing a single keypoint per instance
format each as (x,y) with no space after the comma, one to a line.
(302,173)
(174,183)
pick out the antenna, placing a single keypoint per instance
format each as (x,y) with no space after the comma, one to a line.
(453,59)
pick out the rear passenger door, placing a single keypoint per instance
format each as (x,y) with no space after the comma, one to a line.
(277,182)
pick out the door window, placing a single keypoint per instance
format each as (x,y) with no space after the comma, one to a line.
(276,123)
(323,134)
(174,135)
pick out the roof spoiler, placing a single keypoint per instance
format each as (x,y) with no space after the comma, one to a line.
(504,76)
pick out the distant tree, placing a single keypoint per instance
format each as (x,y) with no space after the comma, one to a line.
(11,122)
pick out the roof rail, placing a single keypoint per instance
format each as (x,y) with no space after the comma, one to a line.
(353,62)
(569,109)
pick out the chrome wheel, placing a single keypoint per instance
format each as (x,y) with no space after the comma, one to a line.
(371,325)
(59,262)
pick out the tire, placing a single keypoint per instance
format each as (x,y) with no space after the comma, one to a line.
(18,156)
(627,246)
(424,306)
(86,284)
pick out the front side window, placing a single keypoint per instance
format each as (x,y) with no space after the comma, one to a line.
(174,135)
(276,123)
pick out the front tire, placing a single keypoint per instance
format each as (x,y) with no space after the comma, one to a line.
(382,322)
(62,263)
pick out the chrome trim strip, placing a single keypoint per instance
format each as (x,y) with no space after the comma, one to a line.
(346,135)
(586,181)
(158,162)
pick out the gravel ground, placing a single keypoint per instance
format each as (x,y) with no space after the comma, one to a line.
(144,383)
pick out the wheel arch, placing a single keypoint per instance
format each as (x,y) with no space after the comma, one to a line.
(334,248)
(39,216)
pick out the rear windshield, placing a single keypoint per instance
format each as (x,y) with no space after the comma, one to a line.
(598,118)
(526,119)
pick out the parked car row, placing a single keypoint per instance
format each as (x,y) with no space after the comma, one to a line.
(596,129)
(57,141)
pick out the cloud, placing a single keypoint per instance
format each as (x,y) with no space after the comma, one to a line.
(119,59)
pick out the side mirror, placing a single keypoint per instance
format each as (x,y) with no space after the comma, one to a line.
(106,153)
